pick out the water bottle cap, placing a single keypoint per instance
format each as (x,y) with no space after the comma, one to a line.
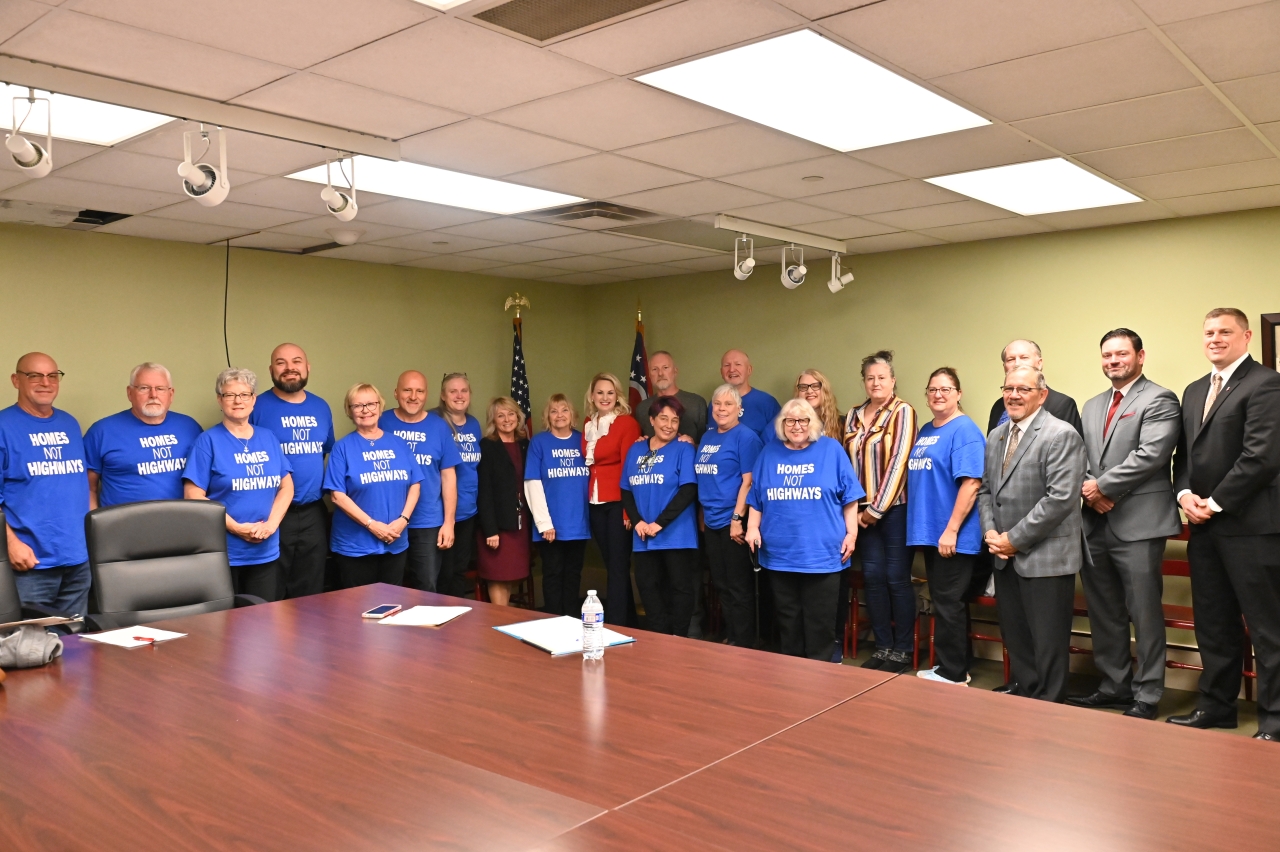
(591,593)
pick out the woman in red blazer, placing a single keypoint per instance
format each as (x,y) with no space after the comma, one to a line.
(607,433)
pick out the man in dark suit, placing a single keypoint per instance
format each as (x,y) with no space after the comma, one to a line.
(1227,476)
(1130,432)
(1026,353)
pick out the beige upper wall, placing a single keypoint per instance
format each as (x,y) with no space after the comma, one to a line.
(959,304)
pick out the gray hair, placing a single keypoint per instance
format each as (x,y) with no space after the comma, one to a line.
(1034,345)
(236,374)
(728,390)
(149,365)
(1041,384)
(800,408)
(884,356)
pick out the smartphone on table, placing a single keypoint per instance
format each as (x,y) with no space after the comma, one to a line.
(381,611)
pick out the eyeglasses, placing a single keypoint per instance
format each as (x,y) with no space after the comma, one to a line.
(365,406)
(803,388)
(795,421)
(149,388)
(940,391)
(236,397)
(1010,390)
(54,377)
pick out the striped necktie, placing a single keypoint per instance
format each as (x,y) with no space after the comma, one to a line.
(1214,390)
(1014,434)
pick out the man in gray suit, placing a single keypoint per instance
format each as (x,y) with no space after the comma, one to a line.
(1030,506)
(1130,433)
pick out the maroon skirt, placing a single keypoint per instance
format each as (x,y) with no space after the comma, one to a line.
(510,561)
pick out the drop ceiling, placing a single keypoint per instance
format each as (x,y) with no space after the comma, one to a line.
(1177,101)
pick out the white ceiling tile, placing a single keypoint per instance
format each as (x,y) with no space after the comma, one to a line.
(815,9)
(705,264)
(1099,72)
(321,225)
(516,253)
(587,263)
(231,214)
(991,230)
(104,47)
(521,270)
(417,215)
(485,148)
(1176,155)
(676,32)
(691,199)
(282,193)
(64,154)
(1230,45)
(600,176)
(961,151)
(1216,179)
(264,155)
(1272,131)
(506,229)
(612,115)
(168,229)
(1257,97)
(17,15)
(725,150)
(930,38)
(278,242)
(452,263)
(883,197)
(891,242)
(1099,217)
(1168,11)
(333,102)
(837,172)
(586,278)
(1166,116)
(660,253)
(782,213)
(582,243)
(848,228)
(140,171)
(13,178)
(438,242)
(940,215)
(91,196)
(459,66)
(653,270)
(1222,202)
(371,254)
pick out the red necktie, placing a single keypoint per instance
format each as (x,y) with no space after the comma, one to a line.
(1111,412)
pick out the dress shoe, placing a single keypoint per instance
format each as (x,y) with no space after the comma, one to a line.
(1142,710)
(1100,700)
(1263,735)
(1009,688)
(1204,719)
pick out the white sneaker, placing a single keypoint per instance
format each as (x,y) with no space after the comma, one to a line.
(932,674)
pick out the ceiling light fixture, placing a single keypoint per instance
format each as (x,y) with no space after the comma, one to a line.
(345,236)
(1042,186)
(34,159)
(793,273)
(94,122)
(838,281)
(440,186)
(742,269)
(811,87)
(340,204)
(207,184)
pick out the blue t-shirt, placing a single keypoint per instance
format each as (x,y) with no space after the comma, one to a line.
(941,457)
(467,438)
(723,457)
(376,475)
(653,485)
(136,461)
(43,485)
(432,445)
(801,495)
(244,476)
(557,463)
(758,412)
(305,432)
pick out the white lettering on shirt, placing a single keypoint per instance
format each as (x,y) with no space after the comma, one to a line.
(54,468)
(255,483)
(645,479)
(48,439)
(303,448)
(161,466)
(299,420)
(384,476)
(562,472)
(149,441)
(255,457)
(706,469)
(804,493)
(796,468)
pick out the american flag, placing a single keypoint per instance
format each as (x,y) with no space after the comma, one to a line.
(639,379)
(519,378)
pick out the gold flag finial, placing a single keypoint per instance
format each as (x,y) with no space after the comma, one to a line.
(518,302)
(639,313)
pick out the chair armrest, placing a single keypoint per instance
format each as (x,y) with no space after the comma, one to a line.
(247,600)
(93,625)
(40,611)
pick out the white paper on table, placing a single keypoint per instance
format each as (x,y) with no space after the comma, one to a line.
(425,616)
(558,636)
(125,636)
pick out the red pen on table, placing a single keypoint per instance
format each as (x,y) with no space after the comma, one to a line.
(147,639)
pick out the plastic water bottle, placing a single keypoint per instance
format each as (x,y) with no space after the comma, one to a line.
(592,627)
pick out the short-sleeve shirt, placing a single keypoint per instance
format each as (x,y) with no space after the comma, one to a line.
(557,464)
(653,478)
(467,439)
(801,495)
(376,475)
(432,445)
(305,432)
(723,457)
(244,476)
(759,409)
(941,457)
(44,487)
(136,461)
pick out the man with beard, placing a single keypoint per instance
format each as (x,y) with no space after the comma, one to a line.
(303,423)
(663,374)
(139,454)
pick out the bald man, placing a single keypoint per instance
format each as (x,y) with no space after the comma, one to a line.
(1026,353)
(758,408)
(431,440)
(303,423)
(44,490)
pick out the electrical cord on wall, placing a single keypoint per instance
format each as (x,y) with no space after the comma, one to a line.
(226,290)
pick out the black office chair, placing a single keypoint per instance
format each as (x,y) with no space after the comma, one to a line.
(11,606)
(157,560)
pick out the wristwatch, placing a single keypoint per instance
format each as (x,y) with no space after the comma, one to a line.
(736,517)
(403,518)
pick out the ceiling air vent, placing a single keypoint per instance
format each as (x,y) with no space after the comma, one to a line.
(592,215)
(542,20)
(87,220)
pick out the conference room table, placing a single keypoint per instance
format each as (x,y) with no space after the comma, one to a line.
(298,725)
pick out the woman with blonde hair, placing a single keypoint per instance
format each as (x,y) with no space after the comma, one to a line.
(455,411)
(608,432)
(555,487)
(503,557)
(814,388)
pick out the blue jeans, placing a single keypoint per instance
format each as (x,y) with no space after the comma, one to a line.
(63,589)
(886,573)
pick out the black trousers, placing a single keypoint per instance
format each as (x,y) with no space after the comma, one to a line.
(562,575)
(262,580)
(304,547)
(948,584)
(806,612)
(1035,621)
(665,579)
(422,566)
(614,541)
(456,561)
(374,568)
(734,579)
(1233,576)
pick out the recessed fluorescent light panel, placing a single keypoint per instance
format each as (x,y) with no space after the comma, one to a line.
(811,87)
(76,119)
(440,186)
(1044,186)
(442,5)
